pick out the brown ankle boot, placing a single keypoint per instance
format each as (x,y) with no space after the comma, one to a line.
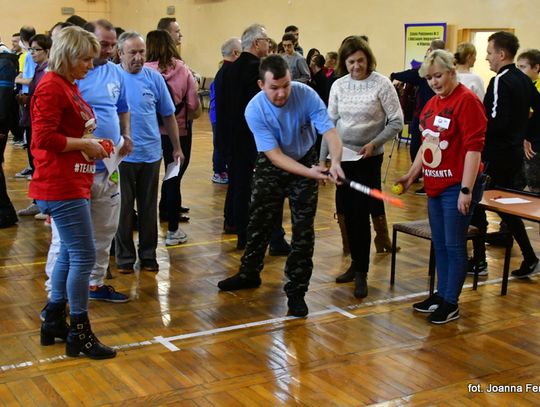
(382,239)
(343,229)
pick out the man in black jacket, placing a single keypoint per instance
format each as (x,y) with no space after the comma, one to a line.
(239,86)
(509,98)
(9,67)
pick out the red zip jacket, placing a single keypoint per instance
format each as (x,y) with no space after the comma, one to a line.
(59,111)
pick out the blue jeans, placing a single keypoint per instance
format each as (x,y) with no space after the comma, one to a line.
(71,273)
(449,237)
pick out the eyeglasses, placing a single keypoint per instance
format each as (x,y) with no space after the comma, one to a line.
(263,39)
(32,50)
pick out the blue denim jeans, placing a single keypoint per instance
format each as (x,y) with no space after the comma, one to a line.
(449,237)
(77,255)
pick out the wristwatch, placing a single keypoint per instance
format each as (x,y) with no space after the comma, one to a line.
(465,191)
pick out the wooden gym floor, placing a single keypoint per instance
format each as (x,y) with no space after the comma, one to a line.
(181,342)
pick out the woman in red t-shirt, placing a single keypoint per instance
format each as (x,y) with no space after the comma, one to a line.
(453,125)
(64,169)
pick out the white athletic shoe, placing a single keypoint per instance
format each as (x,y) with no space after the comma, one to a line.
(174,238)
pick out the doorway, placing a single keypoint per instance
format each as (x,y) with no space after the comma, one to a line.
(479,37)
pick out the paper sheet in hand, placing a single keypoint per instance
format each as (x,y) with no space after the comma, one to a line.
(349,155)
(507,201)
(173,169)
(112,162)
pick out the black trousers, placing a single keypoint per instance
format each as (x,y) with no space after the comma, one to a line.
(6,207)
(505,173)
(171,195)
(238,198)
(357,207)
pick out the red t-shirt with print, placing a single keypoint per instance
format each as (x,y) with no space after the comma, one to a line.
(450,127)
(58,112)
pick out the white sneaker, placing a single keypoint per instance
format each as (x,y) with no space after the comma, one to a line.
(24,173)
(40,216)
(174,238)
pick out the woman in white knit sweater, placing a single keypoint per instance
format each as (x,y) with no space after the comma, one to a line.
(465,57)
(365,108)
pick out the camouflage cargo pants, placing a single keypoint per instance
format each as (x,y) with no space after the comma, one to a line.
(271,185)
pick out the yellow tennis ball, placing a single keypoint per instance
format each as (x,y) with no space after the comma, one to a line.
(397,188)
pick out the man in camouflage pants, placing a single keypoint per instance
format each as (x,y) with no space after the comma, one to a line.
(282,118)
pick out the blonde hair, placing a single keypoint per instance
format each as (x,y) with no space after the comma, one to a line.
(72,44)
(463,51)
(441,57)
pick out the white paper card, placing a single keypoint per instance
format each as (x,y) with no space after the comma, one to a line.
(349,155)
(112,162)
(173,169)
(508,201)
(442,122)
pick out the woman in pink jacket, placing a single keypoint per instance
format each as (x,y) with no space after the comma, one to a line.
(162,55)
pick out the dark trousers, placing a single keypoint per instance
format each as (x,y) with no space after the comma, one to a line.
(271,185)
(239,192)
(219,164)
(171,196)
(376,205)
(138,181)
(238,198)
(185,143)
(6,207)
(28,135)
(357,206)
(14,127)
(505,173)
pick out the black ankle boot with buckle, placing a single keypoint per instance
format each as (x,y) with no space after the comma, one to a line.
(81,339)
(54,324)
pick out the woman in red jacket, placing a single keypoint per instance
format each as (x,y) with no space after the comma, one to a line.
(64,154)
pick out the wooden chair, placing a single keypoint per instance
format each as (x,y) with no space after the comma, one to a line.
(421,229)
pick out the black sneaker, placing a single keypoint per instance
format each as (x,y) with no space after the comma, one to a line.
(430,304)
(481,266)
(239,282)
(420,191)
(446,312)
(526,269)
(297,306)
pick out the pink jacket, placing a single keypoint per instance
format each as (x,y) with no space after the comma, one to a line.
(182,83)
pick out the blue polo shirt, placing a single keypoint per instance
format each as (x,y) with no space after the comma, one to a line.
(147,94)
(104,90)
(28,71)
(292,126)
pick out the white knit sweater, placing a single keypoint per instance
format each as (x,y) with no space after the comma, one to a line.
(364,111)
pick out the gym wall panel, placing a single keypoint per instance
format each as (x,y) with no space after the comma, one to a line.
(323,24)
